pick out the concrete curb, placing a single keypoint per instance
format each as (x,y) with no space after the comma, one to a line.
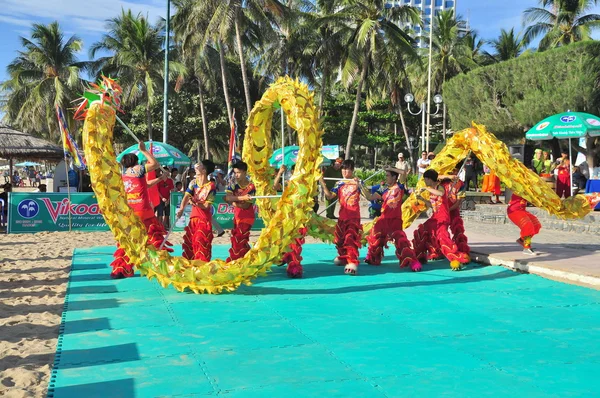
(531,268)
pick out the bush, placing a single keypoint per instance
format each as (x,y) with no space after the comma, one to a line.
(514,95)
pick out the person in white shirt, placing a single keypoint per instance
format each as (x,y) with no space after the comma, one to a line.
(423,163)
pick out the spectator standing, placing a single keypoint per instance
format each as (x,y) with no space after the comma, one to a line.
(165,187)
(423,163)
(470,173)
(404,167)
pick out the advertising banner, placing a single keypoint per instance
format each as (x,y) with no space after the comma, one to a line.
(222,212)
(30,212)
(41,211)
(331,151)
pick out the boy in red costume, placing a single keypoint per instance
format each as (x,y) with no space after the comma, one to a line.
(239,194)
(197,241)
(527,222)
(434,232)
(136,189)
(452,186)
(348,229)
(389,225)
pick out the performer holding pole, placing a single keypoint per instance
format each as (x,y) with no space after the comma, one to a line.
(348,229)
(239,194)
(197,241)
(436,228)
(136,188)
(389,225)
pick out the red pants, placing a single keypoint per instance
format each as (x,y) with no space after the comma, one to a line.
(293,258)
(562,186)
(432,236)
(383,231)
(240,236)
(197,241)
(458,232)
(527,223)
(347,240)
(121,267)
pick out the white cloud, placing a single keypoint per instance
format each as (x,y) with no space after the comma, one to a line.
(15,21)
(91,10)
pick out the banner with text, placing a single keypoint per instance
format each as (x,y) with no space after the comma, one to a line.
(40,211)
(222,212)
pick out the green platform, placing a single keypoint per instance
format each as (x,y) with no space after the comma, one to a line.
(386,333)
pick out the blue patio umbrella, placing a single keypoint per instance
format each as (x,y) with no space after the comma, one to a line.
(27,164)
(290,156)
(165,154)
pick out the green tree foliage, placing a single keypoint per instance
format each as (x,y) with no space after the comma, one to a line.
(136,59)
(512,96)
(565,22)
(44,74)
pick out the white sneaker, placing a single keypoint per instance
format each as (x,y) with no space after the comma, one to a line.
(529,252)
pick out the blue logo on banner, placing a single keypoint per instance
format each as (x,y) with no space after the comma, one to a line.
(28,208)
(568,119)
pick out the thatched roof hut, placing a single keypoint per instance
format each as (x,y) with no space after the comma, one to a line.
(18,145)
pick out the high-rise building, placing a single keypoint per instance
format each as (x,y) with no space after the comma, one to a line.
(428,9)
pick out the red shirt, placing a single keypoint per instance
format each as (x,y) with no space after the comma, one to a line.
(516,203)
(349,198)
(165,187)
(441,209)
(136,189)
(203,194)
(247,209)
(392,202)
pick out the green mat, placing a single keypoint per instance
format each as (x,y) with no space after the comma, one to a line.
(484,331)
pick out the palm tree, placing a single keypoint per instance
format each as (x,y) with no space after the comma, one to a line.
(44,74)
(452,52)
(373,29)
(231,18)
(325,46)
(564,23)
(507,46)
(137,57)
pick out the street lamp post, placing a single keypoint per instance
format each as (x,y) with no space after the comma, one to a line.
(166,78)
(438,100)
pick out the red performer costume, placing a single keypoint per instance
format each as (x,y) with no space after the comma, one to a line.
(457,226)
(389,227)
(136,189)
(348,228)
(563,179)
(243,219)
(527,222)
(433,233)
(197,241)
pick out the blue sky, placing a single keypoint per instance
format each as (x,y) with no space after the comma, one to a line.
(86,18)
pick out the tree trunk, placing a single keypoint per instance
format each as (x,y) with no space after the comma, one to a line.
(238,37)
(363,76)
(224,79)
(324,84)
(204,124)
(149,119)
